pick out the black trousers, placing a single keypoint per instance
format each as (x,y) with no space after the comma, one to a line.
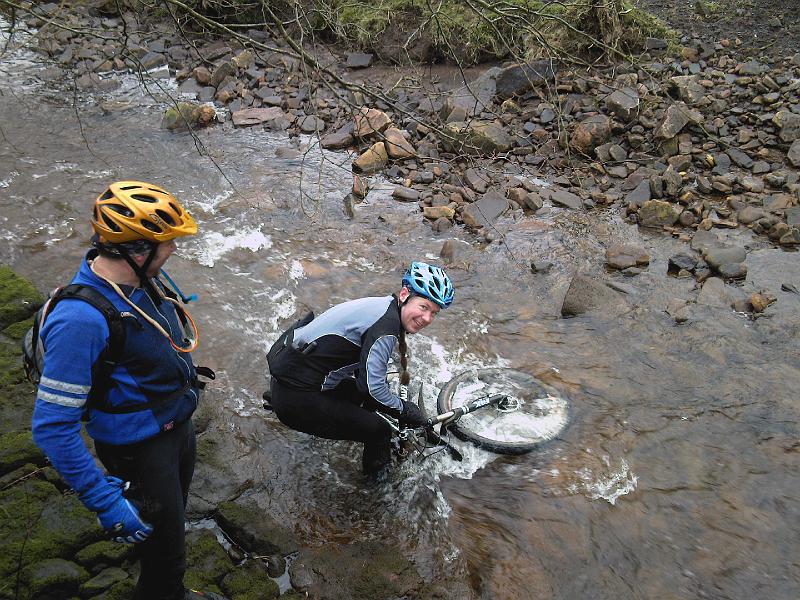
(336,415)
(160,470)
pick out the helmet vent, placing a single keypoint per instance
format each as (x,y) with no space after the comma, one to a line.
(144,198)
(108,195)
(151,226)
(111,225)
(120,209)
(166,216)
(176,208)
(130,187)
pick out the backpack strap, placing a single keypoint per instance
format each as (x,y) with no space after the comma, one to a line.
(112,354)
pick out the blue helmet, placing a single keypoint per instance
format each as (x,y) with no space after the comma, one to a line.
(429,282)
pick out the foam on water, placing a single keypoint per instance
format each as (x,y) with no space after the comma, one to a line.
(213,245)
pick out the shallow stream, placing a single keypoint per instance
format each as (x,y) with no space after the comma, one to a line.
(678,474)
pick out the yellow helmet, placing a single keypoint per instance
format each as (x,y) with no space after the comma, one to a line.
(133,210)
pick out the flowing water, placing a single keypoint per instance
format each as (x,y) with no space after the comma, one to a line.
(677,476)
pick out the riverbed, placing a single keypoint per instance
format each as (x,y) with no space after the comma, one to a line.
(677,476)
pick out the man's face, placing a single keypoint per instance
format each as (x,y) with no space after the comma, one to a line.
(163,251)
(417,313)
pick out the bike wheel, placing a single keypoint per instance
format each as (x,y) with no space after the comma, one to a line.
(538,414)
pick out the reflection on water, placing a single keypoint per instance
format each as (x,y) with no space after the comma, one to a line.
(677,475)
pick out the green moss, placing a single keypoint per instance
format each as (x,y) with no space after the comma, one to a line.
(103,553)
(54,577)
(16,331)
(120,591)
(250,581)
(16,449)
(39,523)
(19,299)
(207,562)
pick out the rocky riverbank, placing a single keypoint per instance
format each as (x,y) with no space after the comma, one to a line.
(688,139)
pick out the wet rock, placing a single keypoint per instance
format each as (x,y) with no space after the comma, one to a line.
(676,117)
(206,560)
(360,187)
(476,180)
(152,60)
(678,309)
(369,121)
(566,199)
(541,266)
(250,580)
(248,117)
(287,153)
(54,578)
(624,256)
(438,212)
(793,155)
(715,293)
(397,146)
(681,262)
(789,125)
(470,100)
(100,555)
(516,80)
(405,194)
(485,211)
(222,72)
(187,115)
(740,158)
(656,213)
(94,81)
(447,251)
(716,256)
(760,301)
(358,60)
(372,160)
(310,124)
(359,571)
(476,137)
(750,214)
(639,195)
(733,270)
(624,104)
(793,216)
(752,67)
(790,238)
(688,88)
(340,139)
(672,182)
(588,293)
(591,133)
(102,581)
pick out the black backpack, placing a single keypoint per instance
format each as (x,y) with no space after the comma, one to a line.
(33,349)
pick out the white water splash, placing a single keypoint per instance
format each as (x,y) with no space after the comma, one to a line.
(608,486)
(296,271)
(214,245)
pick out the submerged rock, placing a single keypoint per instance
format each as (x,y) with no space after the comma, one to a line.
(588,293)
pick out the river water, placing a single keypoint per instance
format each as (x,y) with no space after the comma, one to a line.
(677,476)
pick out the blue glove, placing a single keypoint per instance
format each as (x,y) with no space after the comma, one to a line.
(116,514)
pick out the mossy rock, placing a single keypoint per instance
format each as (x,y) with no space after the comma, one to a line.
(95,557)
(251,528)
(359,571)
(207,451)
(16,475)
(119,591)
(17,449)
(16,393)
(40,523)
(19,299)
(250,581)
(16,331)
(54,579)
(104,580)
(206,560)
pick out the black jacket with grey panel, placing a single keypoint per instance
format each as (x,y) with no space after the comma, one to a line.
(354,340)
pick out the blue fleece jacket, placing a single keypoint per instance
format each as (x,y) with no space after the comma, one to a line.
(74,335)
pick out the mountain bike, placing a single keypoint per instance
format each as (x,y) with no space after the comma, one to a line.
(501,410)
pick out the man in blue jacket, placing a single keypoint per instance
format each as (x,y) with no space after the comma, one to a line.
(138,408)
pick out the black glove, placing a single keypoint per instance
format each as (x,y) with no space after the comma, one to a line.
(412,416)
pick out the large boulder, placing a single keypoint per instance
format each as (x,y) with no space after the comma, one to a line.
(472,98)
(676,117)
(590,133)
(251,528)
(372,160)
(656,213)
(19,299)
(518,79)
(370,121)
(485,211)
(54,579)
(589,293)
(624,104)
(476,137)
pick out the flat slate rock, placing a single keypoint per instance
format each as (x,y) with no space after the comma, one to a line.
(485,211)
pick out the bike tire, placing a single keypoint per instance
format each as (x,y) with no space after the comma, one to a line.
(499,437)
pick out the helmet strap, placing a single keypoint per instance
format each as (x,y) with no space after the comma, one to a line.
(141,272)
